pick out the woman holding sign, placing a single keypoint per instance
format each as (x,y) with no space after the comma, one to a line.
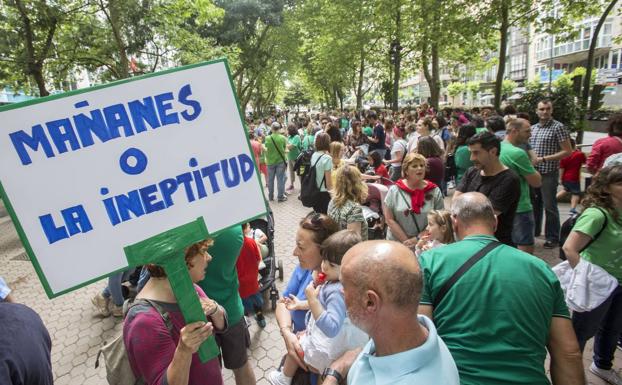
(161,347)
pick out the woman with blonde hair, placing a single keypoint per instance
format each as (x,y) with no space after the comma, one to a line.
(348,193)
(410,200)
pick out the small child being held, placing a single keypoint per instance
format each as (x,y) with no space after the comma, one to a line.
(247,266)
(329,332)
(571,176)
(438,233)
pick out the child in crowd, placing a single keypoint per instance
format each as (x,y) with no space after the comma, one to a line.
(261,238)
(438,233)
(329,332)
(248,269)
(379,169)
(571,176)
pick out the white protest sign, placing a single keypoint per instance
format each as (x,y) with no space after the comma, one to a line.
(86,173)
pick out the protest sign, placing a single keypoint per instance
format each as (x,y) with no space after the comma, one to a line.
(87,173)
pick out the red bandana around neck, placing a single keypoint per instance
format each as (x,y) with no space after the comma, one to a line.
(417,196)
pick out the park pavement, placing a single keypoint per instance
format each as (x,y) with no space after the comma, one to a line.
(77,332)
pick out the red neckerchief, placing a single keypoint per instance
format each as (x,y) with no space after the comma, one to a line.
(417,196)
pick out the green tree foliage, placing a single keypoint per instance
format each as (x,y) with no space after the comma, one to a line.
(454,89)
(507,87)
(296,97)
(28,29)
(563,96)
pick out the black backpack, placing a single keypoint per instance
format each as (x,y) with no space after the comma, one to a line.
(303,161)
(450,167)
(309,190)
(567,228)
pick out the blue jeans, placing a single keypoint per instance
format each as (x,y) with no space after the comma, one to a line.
(545,200)
(278,171)
(604,324)
(114,287)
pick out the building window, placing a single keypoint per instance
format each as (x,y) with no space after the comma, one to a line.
(614,60)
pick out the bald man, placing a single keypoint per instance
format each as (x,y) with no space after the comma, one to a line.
(500,317)
(382,285)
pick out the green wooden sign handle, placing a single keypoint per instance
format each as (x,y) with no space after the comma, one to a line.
(167,250)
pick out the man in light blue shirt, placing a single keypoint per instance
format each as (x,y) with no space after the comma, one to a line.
(382,284)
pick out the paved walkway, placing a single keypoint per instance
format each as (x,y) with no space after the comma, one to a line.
(77,333)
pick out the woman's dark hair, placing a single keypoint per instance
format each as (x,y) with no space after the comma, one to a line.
(334,247)
(615,125)
(376,160)
(291,129)
(427,122)
(478,121)
(597,196)
(321,225)
(334,132)
(322,142)
(428,147)
(442,122)
(487,140)
(495,123)
(509,110)
(465,132)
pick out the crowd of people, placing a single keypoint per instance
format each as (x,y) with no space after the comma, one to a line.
(407,291)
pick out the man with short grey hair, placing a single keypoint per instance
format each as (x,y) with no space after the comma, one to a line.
(497,308)
(382,286)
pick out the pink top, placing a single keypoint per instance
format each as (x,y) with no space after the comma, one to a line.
(601,150)
(150,346)
(256,150)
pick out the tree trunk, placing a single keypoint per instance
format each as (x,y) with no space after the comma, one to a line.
(435,86)
(114,19)
(397,58)
(429,77)
(503,44)
(34,62)
(585,94)
(359,87)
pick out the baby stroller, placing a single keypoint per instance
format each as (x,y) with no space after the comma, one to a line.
(268,273)
(372,210)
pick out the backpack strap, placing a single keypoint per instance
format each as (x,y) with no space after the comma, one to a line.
(324,175)
(163,313)
(412,215)
(277,148)
(463,269)
(599,231)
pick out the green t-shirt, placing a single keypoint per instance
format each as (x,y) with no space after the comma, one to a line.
(308,141)
(221,276)
(368,131)
(606,251)
(293,153)
(324,164)
(517,159)
(343,123)
(272,154)
(495,320)
(398,202)
(479,130)
(463,162)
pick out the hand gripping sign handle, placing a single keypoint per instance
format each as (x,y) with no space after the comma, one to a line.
(167,250)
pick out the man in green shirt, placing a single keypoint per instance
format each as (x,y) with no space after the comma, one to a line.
(294,146)
(518,132)
(277,163)
(221,284)
(500,317)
